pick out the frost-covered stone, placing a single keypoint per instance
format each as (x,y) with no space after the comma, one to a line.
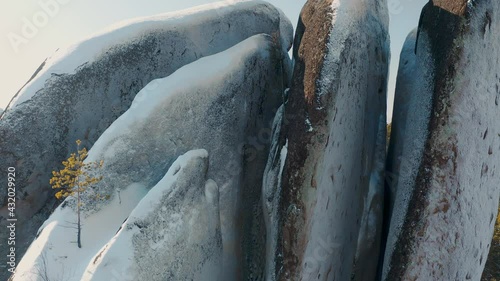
(447,191)
(324,181)
(78,93)
(405,91)
(172,234)
(227,111)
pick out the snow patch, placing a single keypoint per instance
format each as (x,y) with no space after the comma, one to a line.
(55,251)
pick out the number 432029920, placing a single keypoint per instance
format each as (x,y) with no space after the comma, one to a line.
(11,190)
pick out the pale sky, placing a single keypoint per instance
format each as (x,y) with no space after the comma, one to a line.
(69,21)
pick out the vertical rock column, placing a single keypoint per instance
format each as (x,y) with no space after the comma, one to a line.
(323,187)
(405,92)
(447,190)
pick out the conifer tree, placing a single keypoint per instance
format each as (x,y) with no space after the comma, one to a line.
(74,179)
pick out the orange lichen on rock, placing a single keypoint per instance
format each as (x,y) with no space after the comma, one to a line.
(456,7)
(317,18)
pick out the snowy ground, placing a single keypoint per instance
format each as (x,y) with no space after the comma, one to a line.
(56,255)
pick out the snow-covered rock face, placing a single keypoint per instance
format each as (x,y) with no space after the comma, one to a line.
(405,93)
(448,184)
(172,234)
(228,111)
(324,185)
(77,94)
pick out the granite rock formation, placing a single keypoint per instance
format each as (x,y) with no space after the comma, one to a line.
(78,93)
(447,189)
(228,112)
(324,185)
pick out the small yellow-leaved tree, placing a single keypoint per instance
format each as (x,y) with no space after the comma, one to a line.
(74,179)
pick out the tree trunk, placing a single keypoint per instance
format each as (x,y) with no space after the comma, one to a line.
(78,224)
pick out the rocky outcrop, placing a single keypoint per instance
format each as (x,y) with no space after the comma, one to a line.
(172,234)
(447,189)
(77,94)
(323,188)
(294,189)
(228,112)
